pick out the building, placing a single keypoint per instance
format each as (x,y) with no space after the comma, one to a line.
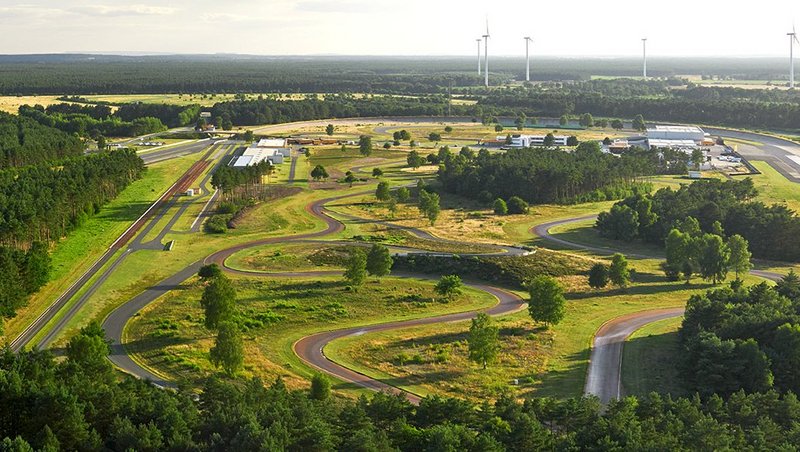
(692,133)
(674,144)
(255,155)
(527,141)
(271,143)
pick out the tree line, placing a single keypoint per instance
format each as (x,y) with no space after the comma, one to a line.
(540,175)
(23,141)
(719,207)
(271,111)
(743,338)
(86,125)
(43,203)
(79,403)
(694,105)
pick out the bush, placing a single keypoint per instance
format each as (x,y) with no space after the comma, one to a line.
(517,205)
(217,224)
(500,207)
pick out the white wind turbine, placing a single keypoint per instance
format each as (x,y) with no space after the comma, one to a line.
(486,53)
(479,55)
(528,40)
(792,40)
(644,58)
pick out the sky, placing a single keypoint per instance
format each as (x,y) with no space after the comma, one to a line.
(398,27)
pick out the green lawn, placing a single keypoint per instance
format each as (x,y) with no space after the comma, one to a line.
(650,358)
(276,313)
(774,188)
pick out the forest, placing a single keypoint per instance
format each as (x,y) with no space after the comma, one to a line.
(623,99)
(81,121)
(541,175)
(728,205)
(743,339)
(268,111)
(40,204)
(23,141)
(110,74)
(79,403)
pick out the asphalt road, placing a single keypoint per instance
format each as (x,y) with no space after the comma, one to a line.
(604,377)
(52,312)
(781,154)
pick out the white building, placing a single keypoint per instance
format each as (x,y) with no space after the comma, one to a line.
(692,133)
(527,141)
(271,143)
(255,155)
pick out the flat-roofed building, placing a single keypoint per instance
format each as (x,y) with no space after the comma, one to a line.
(674,144)
(255,155)
(526,141)
(271,143)
(693,133)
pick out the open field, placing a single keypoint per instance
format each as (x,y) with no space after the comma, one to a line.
(11,104)
(169,334)
(74,254)
(650,357)
(545,362)
(774,188)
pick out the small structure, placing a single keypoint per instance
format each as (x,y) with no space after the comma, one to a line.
(190,192)
(526,141)
(695,175)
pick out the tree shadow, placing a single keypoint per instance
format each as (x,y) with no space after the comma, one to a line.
(567,381)
(641,289)
(414,379)
(148,344)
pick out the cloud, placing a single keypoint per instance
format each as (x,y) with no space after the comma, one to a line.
(123,10)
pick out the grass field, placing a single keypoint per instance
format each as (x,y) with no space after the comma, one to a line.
(544,362)
(74,254)
(774,188)
(286,216)
(169,334)
(649,362)
(11,104)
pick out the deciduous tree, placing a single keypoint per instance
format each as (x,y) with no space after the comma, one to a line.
(448,286)
(547,304)
(228,349)
(356,270)
(379,261)
(483,340)
(218,301)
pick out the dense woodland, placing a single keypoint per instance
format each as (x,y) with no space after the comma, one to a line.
(626,99)
(23,141)
(81,121)
(104,74)
(79,404)
(542,175)
(268,111)
(39,204)
(770,230)
(743,339)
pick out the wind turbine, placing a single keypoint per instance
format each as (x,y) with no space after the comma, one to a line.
(486,53)
(792,40)
(644,58)
(479,55)
(528,40)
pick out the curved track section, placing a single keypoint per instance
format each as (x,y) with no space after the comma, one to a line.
(604,376)
(603,379)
